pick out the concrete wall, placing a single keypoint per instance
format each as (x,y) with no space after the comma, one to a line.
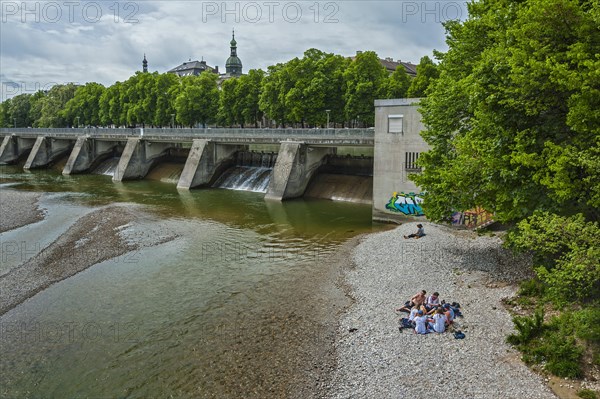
(395,196)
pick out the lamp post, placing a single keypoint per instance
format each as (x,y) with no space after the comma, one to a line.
(172,121)
(358,120)
(328,111)
(15,122)
(77,121)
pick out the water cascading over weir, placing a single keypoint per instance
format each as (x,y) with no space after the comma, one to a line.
(252,172)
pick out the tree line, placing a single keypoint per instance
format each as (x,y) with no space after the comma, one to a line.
(302,92)
(513,122)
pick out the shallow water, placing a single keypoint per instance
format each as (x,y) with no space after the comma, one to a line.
(163,320)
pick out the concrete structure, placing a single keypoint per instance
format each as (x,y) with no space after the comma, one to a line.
(302,151)
(397,147)
(295,166)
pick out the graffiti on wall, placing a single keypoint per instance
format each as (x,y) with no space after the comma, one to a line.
(473,218)
(407,204)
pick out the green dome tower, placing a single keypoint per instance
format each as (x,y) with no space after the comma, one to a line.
(233,66)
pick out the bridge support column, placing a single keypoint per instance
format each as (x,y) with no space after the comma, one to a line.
(45,151)
(87,153)
(296,164)
(138,157)
(13,148)
(204,161)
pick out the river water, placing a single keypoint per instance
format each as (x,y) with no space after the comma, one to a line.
(197,316)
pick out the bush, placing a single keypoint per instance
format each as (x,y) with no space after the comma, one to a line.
(587,394)
(527,328)
(531,288)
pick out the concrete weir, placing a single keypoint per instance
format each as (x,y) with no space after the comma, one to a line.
(14,148)
(88,152)
(296,164)
(47,150)
(204,161)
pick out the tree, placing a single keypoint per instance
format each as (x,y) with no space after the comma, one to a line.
(53,103)
(5,115)
(397,84)
(166,89)
(198,100)
(365,78)
(19,110)
(427,72)
(83,109)
(110,111)
(249,91)
(228,103)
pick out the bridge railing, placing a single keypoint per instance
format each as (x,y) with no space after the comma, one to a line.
(189,133)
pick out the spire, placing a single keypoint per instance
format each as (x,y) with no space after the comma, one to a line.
(145,64)
(233,66)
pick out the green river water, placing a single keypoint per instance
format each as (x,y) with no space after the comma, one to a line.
(167,320)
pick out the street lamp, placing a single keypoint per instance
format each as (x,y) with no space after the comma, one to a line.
(15,121)
(172,121)
(77,121)
(328,111)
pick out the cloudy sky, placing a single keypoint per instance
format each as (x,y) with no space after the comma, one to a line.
(49,42)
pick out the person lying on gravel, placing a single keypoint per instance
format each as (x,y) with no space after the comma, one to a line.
(416,301)
(420,232)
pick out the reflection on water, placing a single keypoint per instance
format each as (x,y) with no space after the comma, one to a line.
(171,319)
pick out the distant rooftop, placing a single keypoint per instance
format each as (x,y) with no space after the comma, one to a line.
(391,65)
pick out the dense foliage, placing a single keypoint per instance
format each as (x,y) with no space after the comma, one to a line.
(301,92)
(513,122)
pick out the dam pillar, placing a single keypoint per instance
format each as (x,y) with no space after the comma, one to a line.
(138,157)
(86,153)
(14,147)
(205,160)
(45,151)
(296,164)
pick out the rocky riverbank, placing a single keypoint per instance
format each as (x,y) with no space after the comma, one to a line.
(375,360)
(18,208)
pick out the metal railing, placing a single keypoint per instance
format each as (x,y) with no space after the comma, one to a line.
(192,133)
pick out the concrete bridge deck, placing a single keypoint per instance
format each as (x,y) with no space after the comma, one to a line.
(312,137)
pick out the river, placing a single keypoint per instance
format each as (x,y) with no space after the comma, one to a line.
(216,312)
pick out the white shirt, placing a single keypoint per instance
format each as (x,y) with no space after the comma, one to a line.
(420,325)
(413,314)
(439,323)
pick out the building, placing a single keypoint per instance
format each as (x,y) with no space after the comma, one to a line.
(233,65)
(391,65)
(193,68)
(145,64)
(398,144)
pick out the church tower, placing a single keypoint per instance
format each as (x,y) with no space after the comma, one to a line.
(145,64)
(233,66)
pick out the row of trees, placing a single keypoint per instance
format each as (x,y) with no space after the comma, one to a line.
(298,92)
(513,122)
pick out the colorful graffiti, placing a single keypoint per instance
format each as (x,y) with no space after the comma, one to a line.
(408,204)
(473,218)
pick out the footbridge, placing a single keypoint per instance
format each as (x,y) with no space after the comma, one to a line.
(209,151)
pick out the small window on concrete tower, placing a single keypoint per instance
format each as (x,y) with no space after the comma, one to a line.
(395,123)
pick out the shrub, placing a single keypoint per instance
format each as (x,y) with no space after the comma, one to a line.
(587,394)
(527,328)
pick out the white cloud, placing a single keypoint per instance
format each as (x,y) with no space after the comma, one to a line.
(84,45)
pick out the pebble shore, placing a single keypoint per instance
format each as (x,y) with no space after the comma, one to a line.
(18,208)
(376,360)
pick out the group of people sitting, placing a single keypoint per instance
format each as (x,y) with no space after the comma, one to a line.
(428,314)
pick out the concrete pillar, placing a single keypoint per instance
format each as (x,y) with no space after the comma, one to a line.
(296,164)
(13,148)
(206,160)
(138,158)
(46,150)
(86,153)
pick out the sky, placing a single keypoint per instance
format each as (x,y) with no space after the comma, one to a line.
(44,43)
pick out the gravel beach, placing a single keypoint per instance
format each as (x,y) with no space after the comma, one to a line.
(378,361)
(18,208)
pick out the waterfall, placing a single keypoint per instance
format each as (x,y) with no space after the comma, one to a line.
(107,167)
(252,172)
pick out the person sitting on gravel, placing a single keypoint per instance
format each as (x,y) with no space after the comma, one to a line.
(449,314)
(416,301)
(438,322)
(432,302)
(421,325)
(414,311)
(420,232)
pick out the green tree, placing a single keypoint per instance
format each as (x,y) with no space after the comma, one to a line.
(166,89)
(365,79)
(427,72)
(19,110)
(110,108)
(198,101)
(53,104)
(83,109)
(5,115)
(397,83)
(248,91)
(228,103)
